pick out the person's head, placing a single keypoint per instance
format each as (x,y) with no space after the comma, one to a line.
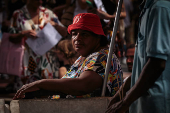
(64,50)
(87,33)
(130,55)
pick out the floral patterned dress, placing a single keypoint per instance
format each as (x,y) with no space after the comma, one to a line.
(34,67)
(97,62)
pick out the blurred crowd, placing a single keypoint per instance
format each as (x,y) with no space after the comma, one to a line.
(62,56)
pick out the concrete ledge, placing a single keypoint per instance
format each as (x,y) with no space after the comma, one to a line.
(4,108)
(14,106)
(84,105)
(7,109)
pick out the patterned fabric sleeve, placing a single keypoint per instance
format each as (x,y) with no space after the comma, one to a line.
(97,63)
(15,27)
(93,62)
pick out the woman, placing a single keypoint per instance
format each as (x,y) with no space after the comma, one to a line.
(66,55)
(26,22)
(86,75)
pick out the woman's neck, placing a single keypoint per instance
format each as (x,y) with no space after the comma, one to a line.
(66,62)
(32,9)
(98,48)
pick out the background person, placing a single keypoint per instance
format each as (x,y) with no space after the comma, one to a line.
(107,16)
(85,77)
(128,23)
(150,80)
(129,61)
(26,22)
(130,57)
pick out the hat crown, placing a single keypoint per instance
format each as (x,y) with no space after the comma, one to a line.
(87,21)
(87,18)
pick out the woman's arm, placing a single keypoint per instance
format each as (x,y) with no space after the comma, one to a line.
(86,83)
(61,29)
(17,37)
(105,15)
(62,71)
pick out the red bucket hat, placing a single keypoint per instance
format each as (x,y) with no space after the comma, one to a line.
(87,21)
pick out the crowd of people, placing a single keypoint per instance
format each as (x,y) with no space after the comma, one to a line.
(24,18)
(76,66)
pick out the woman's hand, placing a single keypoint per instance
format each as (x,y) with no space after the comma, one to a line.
(118,107)
(104,15)
(101,14)
(114,100)
(51,22)
(17,37)
(30,34)
(26,88)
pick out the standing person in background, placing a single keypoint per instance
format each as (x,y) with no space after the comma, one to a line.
(26,22)
(127,21)
(66,54)
(70,9)
(107,17)
(150,80)
(130,56)
(129,60)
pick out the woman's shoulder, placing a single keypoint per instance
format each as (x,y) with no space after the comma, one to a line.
(99,55)
(101,52)
(17,12)
(77,61)
(102,55)
(45,10)
(104,51)
(22,11)
(48,12)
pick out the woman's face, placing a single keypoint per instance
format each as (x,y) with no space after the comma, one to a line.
(84,42)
